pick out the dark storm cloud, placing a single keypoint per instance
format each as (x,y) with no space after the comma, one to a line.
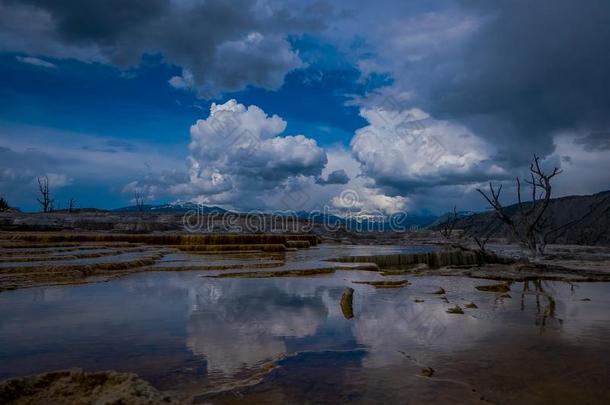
(533,68)
(214,40)
(104,21)
(595,141)
(336,177)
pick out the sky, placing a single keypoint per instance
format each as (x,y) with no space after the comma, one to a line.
(350,106)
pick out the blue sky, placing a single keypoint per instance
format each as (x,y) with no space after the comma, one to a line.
(137,104)
(325,92)
(95,98)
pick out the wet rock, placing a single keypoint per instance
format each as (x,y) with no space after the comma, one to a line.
(360,267)
(267,367)
(471,305)
(440,291)
(299,244)
(427,371)
(77,387)
(503,288)
(455,310)
(457,257)
(586,299)
(444,298)
(418,300)
(347,303)
(385,284)
(505,296)
(272,274)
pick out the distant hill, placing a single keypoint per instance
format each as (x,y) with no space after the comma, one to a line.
(80,211)
(404,220)
(438,221)
(398,221)
(589,229)
(171,208)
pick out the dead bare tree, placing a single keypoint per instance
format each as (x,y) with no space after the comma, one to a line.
(473,230)
(45,200)
(529,227)
(482,238)
(448,226)
(553,234)
(481,241)
(138,197)
(71,204)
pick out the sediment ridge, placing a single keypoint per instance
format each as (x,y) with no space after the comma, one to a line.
(29,259)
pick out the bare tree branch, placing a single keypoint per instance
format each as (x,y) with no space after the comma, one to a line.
(45,199)
(449,225)
(530,227)
(139,199)
(71,204)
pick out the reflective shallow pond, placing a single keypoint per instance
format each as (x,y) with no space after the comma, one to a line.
(221,340)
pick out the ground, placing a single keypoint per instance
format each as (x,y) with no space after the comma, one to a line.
(73,256)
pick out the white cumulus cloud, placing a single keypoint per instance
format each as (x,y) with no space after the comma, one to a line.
(407,149)
(240,157)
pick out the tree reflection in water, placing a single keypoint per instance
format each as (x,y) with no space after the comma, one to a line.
(545,307)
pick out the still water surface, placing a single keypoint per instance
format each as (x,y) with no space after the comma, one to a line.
(546,342)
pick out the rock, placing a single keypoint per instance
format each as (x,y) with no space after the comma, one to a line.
(427,371)
(504,287)
(347,303)
(279,273)
(417,261)
(77,387)
(472,305)
(586,299)
(455,310)
(267,367)
(440,291)
(418,300)
(385,284)
(505,296)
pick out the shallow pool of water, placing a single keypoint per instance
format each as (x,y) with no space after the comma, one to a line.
(545,342)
